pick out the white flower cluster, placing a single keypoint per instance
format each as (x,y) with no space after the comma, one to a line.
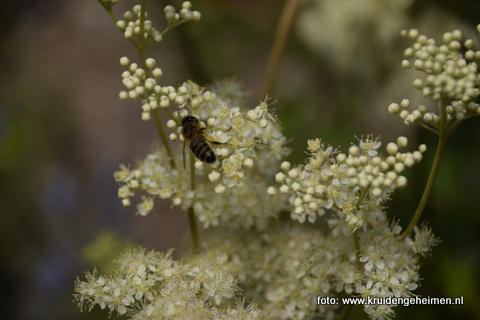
(243,137)
(246,205)
(131,23)
(452,76)
(141,81)
(343,182)
(390,265)
(157,177)
(239,133)
(286,268)
(150,285)
(143,84)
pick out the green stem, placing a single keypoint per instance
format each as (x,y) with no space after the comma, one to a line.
(428,127)
(356,242)
(355,235)
(141,38)
(191,213)
(452,127)
(142,50)
(193,230)
(443,134)
(276,53)
(169,114)
(345,312)
(113,17)
(192,172)
(428,188)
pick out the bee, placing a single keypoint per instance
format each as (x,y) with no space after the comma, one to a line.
(197,142)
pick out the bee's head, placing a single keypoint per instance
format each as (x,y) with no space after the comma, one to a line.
(189,119)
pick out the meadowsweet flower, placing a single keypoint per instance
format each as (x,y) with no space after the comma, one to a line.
(284,267)
(152,285)
(246,205)
(337,181)
(243,134)
(423,240)
(390,265)
(288,268)
(293,264)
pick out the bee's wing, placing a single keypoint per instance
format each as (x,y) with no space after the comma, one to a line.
(210,139)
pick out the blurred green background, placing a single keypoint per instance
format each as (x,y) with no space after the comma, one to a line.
(63,130)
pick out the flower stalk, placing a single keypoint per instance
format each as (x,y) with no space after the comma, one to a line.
(141,39)
(192,220)
(442,140)
(278,47)
(355,234)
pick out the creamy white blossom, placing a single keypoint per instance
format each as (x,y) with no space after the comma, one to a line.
(247,204)
(293,264)
(152,285)
(342,182)
(245,194)
(243,136)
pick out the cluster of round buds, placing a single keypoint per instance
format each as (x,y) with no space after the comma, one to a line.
(342,181)
(131,26)
(451,76)
(186,14)
(143,84)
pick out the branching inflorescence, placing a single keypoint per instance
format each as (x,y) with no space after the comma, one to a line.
(364,252)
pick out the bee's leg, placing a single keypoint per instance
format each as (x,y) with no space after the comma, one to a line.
(184,146)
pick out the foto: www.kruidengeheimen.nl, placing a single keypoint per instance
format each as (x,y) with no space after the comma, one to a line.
(389,301)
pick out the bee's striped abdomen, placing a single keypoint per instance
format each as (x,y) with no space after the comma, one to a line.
(202,150)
